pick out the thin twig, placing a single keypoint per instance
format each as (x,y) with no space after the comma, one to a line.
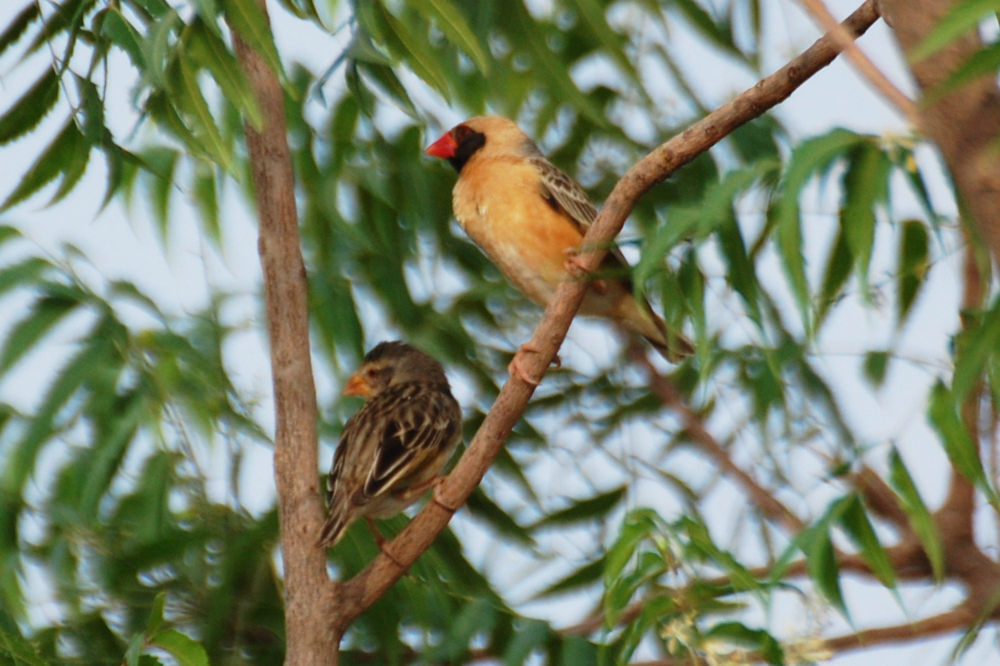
(862,62)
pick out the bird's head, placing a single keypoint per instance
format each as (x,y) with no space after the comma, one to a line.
(486,136)
(390,363)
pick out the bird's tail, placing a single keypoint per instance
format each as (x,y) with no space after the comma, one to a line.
(333,529)
(672,345)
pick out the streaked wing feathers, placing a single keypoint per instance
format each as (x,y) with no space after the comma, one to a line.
(403,428)
(564,193)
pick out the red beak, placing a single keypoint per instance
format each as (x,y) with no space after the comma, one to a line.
(444,147)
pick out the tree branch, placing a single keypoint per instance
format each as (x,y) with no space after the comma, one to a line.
(862,63)
(958,618)
(362,590)
(308,589)
(759,495)
(812,651)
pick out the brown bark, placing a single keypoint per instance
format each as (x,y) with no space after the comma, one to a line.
(308,590)
(964,123)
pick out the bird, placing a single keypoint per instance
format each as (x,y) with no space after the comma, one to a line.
(529,217)
(392,450)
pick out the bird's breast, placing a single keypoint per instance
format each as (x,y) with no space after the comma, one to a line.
(528,240)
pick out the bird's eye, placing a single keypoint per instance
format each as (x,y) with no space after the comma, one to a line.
(462,132)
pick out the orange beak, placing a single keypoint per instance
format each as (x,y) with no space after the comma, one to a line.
(444,147)
(356,385)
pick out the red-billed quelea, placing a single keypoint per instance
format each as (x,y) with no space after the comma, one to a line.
(392,450)
(530,217)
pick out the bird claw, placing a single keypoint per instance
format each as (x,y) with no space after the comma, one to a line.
(514,367)
(436,496)
(382,542)
(575,268)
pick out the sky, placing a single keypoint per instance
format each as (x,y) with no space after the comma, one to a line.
(123,242)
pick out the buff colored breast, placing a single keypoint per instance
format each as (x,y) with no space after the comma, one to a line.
(498,204)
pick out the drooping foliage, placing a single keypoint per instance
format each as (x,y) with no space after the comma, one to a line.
(113,521)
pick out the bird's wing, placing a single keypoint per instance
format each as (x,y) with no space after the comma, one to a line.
(418,423)
(565,195)
(562,192)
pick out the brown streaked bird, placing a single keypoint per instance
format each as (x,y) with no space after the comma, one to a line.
(392,449)
(530,217)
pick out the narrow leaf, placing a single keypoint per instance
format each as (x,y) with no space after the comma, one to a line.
(916,511)
(31,108)
(16,28)
(250,22)
(855,522)
(913,263)
(958,444)
(124,35)
(184,649)
(59,155)
(960,20)
(588,509)
(26,334)
(459,33)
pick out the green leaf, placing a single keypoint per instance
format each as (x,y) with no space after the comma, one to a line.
(26,273)
(156,614)
(916,511)
(865,185)
(134,649)
(391,86)
(206,199)
(583,576)
(706,25)
(855,522)
(62,156)
(838,268)
(455,27)
(958,444)
(184,649)
(740,272)
(361,94)
(808,158)
(186,94)
(124,35)
(159,49)
(483,508)
(913,265)
(822,566)
(529,635)
(963,17)
(875,366)
(17,651)
(637,526)
(26,334)
(757,639)
(16,28)
(31,108)
(210,52)
(591,508)
(983,62)
(250,22)
(976,347)
(414,50)
(20,460)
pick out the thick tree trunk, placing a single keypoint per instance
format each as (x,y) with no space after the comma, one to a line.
(965,124)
